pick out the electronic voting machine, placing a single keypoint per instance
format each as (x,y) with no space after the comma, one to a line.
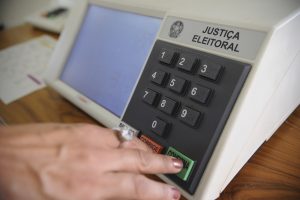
(204,81)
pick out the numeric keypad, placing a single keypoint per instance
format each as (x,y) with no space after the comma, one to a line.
(181,104)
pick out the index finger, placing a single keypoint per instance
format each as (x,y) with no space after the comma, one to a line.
(138,161)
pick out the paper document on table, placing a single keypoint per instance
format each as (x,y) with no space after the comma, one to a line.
(23,67)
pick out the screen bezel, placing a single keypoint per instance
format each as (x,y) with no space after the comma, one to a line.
(64,47)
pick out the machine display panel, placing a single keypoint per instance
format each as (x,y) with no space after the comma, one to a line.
(108,55)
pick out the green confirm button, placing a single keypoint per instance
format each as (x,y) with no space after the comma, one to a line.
(187,163)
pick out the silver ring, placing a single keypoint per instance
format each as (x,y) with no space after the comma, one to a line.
(124,134)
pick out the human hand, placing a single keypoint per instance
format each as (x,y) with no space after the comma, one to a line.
(79,161)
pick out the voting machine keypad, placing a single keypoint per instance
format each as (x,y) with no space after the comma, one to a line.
(181,104)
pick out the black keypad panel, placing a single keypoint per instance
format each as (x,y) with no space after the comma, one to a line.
(182,101)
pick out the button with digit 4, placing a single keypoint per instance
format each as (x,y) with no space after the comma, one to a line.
(189,116)
(209,69)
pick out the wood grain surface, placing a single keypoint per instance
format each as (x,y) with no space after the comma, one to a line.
(273,172)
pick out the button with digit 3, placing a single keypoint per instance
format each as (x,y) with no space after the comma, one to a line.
(210,70)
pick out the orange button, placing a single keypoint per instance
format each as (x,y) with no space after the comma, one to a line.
(156,148)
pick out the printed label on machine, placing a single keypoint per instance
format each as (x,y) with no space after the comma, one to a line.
(240,42)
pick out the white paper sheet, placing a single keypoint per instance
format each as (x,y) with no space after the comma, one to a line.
(23,67)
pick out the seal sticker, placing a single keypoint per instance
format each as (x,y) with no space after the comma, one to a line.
(176,29)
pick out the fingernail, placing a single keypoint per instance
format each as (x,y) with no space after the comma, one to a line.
(177,163)
(176,193)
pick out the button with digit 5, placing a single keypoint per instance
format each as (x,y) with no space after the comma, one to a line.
(176,84)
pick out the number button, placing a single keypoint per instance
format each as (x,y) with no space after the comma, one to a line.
(199,93)
(186,62)
(158,77)
(158,126)
(149,96)
(166,56)
(176,84)
(210,70)
(167,105)
(189,116)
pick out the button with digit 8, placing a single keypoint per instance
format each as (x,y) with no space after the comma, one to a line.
(167,105)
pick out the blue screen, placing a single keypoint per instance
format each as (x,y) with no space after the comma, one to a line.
(108,55)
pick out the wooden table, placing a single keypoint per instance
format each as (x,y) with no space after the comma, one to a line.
(273,172)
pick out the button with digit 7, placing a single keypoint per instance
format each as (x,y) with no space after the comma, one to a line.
(149,96)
